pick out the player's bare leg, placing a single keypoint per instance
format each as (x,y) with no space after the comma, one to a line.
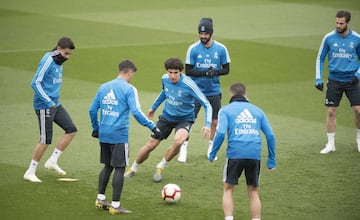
(142,155)
(30,174)
(255,203)
(212,135)
(356,109)
(227,200)
(145,151)
(331,128)
(62,144)
(180,136)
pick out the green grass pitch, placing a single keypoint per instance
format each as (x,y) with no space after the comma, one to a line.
(273,46)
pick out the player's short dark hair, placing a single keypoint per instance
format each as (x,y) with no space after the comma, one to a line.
(65,42)
(126,65)
(174,63)
(344,14)
(238,89)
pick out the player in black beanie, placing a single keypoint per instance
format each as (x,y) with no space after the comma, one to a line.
(206,25)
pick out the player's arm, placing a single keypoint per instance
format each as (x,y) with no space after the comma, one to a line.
(224,70)
(135,108)
(218,140)
(320,60)
(219,135)
(190,71)
(201,98)
(357,74)
(93,113)
(37,83)
(271,144)
(159,99)
(157,102)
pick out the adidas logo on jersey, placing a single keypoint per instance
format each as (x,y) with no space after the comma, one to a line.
(245,117)
(110,99)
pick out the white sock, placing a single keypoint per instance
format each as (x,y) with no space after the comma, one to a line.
(331,139)
(135,166)
(256,219)
(184,146)
(55,155)
(101,196)
(33,166)
(210,146)
(358,136)
(229,217)
(211,143)
(115,204)
(162,164)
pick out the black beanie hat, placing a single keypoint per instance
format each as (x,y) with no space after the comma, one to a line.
(206,25)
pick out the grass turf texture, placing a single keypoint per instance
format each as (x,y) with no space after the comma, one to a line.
(272,51)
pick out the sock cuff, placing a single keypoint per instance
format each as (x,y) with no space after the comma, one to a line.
(101,196)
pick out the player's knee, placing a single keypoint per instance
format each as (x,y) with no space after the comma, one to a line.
(151,145)
(331,112)
(357,114)
(178,141)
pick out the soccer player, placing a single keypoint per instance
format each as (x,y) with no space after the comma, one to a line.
(342,47)
(115,100)
(243,122)
(46,84)
(178,92)
(206,60)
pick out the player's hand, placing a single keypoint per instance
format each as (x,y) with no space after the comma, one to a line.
(95,134)
(211,159)
(210,73)
(205,132)
(155,133)
(150,114)
(319,84)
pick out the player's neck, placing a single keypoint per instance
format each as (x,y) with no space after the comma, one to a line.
(345,33)
(124,77)
(209,43)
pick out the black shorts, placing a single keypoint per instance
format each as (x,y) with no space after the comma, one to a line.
(46,117)
(335,90)
(115,155)
(166,126)
(215,102)
(234,167)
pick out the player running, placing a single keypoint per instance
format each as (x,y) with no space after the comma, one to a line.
(178,92)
